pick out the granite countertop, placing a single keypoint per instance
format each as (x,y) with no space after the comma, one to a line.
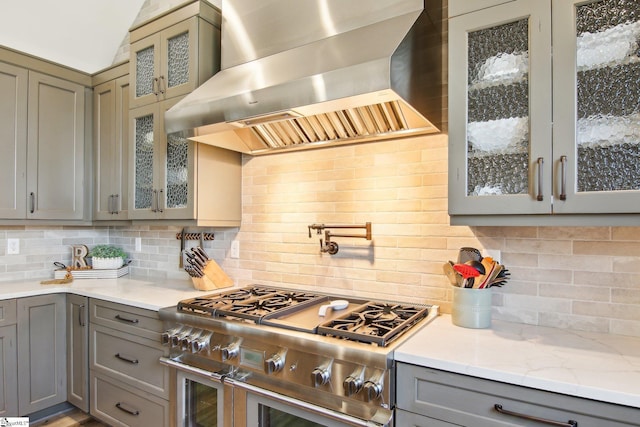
(151,294)
(591,365)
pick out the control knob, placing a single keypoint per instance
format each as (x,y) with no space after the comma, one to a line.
(231,350)
(352,385)
(275,363)
(372,390)
(320,376)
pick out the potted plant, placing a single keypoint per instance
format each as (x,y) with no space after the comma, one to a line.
(105,257)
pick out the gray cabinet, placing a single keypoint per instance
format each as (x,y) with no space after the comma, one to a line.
(111,145)
(13,141)
(78,351)
(129,386)
(55,149)
(174,53)
(528,136)
(174,178)
(42,356)
(8,360)
(430,397)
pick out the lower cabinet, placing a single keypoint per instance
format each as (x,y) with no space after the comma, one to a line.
(129,386)
(78,351)
(8,359)
(42,352)
(429,397)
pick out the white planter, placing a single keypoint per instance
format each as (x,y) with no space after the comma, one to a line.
(106,263)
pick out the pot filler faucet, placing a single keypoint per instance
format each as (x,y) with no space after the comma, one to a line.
(332,247)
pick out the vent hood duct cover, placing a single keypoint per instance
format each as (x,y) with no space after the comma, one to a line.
(377,75)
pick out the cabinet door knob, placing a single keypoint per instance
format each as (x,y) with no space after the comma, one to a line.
(32,202)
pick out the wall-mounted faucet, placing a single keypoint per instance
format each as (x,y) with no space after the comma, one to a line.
(332,247)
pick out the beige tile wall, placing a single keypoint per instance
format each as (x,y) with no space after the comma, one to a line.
(585,278)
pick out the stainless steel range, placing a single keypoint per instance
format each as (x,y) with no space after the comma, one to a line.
(272,354)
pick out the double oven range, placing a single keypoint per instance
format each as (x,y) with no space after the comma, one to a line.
(267,356)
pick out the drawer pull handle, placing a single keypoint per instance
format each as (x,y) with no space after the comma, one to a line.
(570,423)
(133,412)
(127,359)
(124,319)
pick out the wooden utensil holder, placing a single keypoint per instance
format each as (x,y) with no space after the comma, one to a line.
(214,278)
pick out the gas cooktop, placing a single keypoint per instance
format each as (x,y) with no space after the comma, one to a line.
(351,319)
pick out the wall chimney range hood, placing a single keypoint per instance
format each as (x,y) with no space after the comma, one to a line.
(300,74)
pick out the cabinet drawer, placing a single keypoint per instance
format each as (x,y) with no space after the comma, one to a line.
(120,405)
(469,401)
(131,359)
(7,312)
(138,321)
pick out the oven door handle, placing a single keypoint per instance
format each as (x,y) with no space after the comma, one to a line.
(382,418)
(172,363)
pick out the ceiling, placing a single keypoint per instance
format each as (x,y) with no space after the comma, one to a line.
(82,34)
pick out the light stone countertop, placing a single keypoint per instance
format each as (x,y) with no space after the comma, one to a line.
(591,365)
(146,293)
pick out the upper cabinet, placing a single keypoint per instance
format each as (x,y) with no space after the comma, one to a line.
(111,144)
(172,54)
(174,178)
(13,141)
(55,149)
(530,135)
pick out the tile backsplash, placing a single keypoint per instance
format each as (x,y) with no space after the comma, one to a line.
(585,278)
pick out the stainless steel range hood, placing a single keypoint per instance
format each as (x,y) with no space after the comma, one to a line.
(308,73)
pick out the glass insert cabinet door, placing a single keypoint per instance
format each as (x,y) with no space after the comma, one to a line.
(597,105)
(163,167)
(499,106)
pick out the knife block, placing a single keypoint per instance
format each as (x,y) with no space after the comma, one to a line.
(214,278)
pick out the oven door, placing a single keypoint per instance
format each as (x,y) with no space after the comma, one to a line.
(264,408)
(199,396)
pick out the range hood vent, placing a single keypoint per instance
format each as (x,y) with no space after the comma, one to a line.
(376,75)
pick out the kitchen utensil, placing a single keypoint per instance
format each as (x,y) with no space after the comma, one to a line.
(468,254)
(339,304)
(467,271)
(182,237)
(452,275)
(489,267)
(201,252)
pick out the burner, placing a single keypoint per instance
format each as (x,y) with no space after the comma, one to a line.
(374,323)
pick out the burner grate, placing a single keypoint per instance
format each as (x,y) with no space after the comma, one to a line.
(249,303)
(377,323)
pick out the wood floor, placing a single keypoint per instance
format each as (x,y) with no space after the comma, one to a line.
(73,418)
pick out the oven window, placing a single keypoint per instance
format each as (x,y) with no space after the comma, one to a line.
(201,405)
(271,417)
